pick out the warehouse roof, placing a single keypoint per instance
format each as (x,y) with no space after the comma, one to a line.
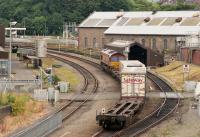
(145,22)
(149,30)
(100,19)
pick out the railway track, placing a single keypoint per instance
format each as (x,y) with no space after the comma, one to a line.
(168,106)
(90,87)
(97,65)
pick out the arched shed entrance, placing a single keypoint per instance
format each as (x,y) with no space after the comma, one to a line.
(138,52)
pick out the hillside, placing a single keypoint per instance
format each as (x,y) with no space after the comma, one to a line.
(48,16)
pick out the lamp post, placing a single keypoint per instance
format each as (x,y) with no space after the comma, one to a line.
(10,57)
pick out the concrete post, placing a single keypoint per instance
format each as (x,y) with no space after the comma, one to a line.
(199,107)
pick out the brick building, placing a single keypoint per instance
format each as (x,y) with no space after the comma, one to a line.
(91,30)
(3,54)
(2,36)
(4,66)
(155,30)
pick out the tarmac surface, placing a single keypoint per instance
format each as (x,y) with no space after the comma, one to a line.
(20,70)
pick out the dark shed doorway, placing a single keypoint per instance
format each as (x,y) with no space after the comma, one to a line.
(137,52)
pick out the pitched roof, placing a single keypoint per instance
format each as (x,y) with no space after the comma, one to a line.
(145,22)
(152,30)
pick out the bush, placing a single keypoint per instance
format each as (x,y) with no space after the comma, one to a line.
(56,79)
(11,98)
(3,99)
(18,106)
(17,102)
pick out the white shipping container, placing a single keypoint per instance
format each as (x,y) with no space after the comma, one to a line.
(133,78)
(132,85)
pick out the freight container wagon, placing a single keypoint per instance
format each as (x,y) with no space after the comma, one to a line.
(133,79)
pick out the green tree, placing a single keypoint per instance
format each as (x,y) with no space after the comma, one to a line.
(54,23)
(36,14)
(39,24)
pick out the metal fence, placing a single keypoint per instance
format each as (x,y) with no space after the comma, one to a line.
(37,81)
(19,85)
(42,127)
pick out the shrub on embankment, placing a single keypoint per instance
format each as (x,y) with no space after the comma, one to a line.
(174,73)
(16,101)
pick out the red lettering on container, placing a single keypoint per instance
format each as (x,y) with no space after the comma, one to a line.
(133,81)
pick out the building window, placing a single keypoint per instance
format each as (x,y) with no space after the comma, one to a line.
(143,42)
(103,42)
(154,44)
(94,42)
(86,42)
(165,43)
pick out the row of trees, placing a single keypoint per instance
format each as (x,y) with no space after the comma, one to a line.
(48,16)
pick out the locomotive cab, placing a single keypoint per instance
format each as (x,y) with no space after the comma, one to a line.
(110,59)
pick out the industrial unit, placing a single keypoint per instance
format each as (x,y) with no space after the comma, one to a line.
(2,36)
(4,66)
(157,30)
(3,54)
(190,49)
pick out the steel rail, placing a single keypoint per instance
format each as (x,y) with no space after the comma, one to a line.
(147,117)
(152,119)
(102,131)
(85,74)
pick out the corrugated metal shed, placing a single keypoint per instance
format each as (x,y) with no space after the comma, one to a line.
(190,55)
(196,56)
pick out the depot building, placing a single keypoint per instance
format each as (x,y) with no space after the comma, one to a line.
(157,30)
(4,55)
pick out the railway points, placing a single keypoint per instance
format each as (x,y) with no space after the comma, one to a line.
(111,93)
(86,61)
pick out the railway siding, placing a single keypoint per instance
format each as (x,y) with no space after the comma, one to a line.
(168,107)
(151,114)
(162,116)
(54,120)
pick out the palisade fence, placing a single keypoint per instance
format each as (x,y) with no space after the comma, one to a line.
(13,84)
(42,127)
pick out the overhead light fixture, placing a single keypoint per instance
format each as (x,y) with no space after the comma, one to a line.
(13,23)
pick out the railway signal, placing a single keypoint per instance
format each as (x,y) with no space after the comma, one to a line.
(186,70)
